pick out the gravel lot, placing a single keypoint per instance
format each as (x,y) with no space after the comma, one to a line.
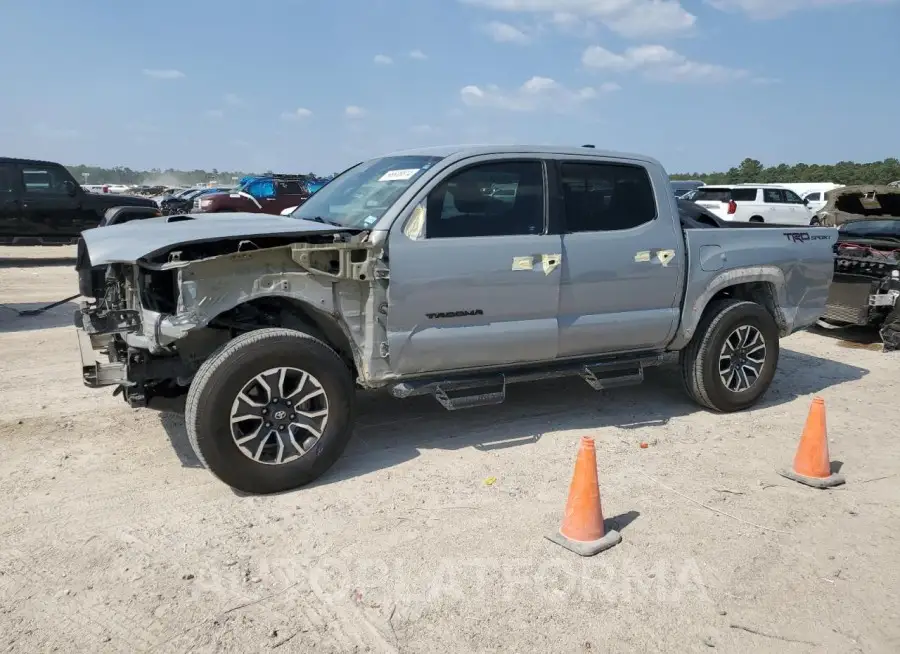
(427,536)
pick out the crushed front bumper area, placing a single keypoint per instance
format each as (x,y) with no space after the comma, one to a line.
(108,360)
(99,364)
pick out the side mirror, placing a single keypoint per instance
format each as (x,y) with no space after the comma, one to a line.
(71,189)
(806,201)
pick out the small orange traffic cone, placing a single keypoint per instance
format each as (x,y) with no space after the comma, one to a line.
(812,465)
(582,530)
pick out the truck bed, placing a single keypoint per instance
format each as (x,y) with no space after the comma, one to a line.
(793,263)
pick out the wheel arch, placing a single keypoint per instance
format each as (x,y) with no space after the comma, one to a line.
(764,285)
(292,313)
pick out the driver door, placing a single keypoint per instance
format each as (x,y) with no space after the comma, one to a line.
(49,210)
(474,274)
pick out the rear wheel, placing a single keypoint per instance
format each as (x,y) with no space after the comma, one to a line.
(756,219)
(731,360)
(271,410)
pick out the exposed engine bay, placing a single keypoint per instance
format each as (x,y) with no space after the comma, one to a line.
(159,318)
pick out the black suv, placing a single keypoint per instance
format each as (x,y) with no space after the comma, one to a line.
(42,204)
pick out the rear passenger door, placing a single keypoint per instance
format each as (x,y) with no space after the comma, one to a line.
(623,258)
(474,273)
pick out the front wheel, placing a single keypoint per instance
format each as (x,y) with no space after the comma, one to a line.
(731,360)
(271,410)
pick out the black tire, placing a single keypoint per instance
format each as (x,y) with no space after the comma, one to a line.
(815,222)
(217,384)
(700,359)
(756,219)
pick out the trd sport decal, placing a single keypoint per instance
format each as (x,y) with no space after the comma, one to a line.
(454,314)
(803,237)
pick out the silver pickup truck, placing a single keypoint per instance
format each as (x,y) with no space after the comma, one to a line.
(451,272)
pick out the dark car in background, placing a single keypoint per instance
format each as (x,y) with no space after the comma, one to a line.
(42,204)
(183,202)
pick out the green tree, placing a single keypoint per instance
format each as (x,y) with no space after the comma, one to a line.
(843,172)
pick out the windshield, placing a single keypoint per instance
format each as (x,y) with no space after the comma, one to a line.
(362,195)
(872,228)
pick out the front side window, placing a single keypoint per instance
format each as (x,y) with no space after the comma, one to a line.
(44,180)
(361,195)
(773,196)
(606,196)
(289,187)
(492,199)
(791,198)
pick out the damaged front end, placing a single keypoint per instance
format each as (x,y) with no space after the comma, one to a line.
(149,324)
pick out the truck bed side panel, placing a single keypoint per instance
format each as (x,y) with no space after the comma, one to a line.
(797,263)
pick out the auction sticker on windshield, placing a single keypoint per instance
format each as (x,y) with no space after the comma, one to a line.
(398,175)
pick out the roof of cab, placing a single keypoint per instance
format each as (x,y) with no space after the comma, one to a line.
(463,151)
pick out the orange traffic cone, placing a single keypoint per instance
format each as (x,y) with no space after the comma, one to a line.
(812,465)
(582,529)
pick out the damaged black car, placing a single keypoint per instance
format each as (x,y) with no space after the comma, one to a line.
(866,281)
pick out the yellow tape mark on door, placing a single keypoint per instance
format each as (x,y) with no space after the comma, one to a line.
(665,256)
(550,262)
(523,263)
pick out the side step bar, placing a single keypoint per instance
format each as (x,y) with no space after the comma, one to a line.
(461,392)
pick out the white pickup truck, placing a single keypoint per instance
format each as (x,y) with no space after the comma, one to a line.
(412,273)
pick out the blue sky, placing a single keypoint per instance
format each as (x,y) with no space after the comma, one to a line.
(296,85)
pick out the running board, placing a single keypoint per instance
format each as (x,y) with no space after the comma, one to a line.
(600,378)
(482,390)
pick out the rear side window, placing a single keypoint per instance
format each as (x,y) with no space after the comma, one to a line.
(814,197)
(712,195)
(743,194)
(606,196)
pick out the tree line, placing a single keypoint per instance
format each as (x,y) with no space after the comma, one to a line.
(749,171)
(843,172)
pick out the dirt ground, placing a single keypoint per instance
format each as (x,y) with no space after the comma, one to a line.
(428,535)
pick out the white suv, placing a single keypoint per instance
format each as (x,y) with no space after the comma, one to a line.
(754,203)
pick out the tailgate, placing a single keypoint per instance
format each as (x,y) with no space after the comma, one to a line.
(797,263)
